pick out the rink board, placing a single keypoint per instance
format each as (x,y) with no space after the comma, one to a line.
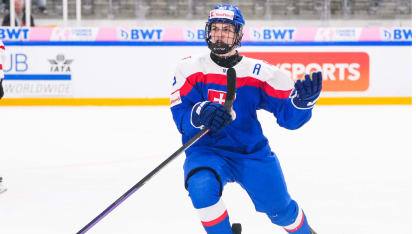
(122,73)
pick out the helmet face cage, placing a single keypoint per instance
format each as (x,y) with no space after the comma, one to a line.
(224,14)
(236,33)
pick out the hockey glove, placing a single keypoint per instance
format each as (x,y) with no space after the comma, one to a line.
(211,115)
(306,92)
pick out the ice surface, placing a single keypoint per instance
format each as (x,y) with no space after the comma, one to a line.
(349,168)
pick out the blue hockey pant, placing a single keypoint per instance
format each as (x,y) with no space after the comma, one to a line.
(206,174)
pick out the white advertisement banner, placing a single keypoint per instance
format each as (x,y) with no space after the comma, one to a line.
(147,71)
(183,34)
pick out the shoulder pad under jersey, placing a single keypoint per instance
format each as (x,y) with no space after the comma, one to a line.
(268,73)
(185,68)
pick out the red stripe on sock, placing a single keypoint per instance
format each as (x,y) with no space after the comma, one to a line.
(296,228)
(215,221)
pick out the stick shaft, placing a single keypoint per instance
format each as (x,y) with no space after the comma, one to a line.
(231,89)
(142,181)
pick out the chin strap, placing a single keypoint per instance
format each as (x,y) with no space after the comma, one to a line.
(229,61)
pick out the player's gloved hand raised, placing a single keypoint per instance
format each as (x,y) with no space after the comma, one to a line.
(211,115)
(307,91)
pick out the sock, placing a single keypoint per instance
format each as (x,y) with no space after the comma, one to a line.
(215,219)
(300,226)
(292,219)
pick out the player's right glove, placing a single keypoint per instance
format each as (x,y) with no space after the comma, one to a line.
(307,91)
(211,115)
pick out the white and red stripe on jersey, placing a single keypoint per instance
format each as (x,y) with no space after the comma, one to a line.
(202,69)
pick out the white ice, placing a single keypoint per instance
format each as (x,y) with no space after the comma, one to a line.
(349,168)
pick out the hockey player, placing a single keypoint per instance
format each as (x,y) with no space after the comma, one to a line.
(2,58)
(2,188)
(2,51)
(235,149)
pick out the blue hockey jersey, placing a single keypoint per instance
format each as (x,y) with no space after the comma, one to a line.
(259,86)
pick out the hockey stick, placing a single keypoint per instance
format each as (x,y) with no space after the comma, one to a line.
(229,99)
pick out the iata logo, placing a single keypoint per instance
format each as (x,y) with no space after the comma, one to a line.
(60,64)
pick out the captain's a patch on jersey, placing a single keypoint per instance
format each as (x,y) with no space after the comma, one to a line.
(175,98)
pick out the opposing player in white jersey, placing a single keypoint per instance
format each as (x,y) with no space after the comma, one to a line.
(2,55)
(235,149)
(2,59)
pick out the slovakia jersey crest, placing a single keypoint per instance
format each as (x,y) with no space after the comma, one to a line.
(216,96)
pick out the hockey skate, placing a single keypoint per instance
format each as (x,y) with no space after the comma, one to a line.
(2,188)
(236,228)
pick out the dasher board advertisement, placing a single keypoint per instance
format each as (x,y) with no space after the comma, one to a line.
(146,72)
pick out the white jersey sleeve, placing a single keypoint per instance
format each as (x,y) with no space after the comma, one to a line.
(187,74)
(2,58)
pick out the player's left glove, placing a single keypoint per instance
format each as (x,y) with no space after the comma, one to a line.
(307,91)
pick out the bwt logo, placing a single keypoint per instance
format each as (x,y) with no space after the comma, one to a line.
(60,64)
(397,34)
(14,33)
(274,34)
(141,34)
(195,35)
